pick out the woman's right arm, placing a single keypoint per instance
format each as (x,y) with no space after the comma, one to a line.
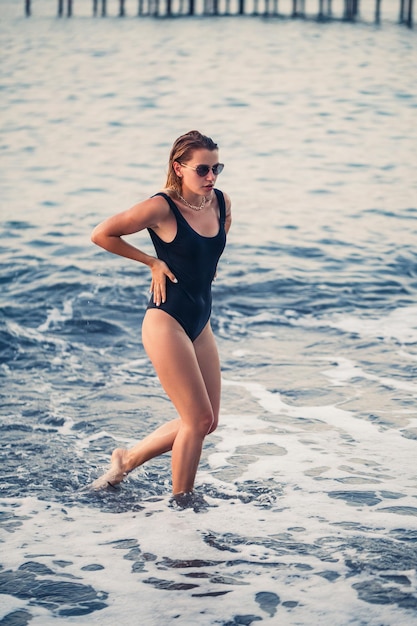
(108,234)
(147,214)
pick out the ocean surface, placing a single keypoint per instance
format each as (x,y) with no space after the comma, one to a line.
(311,478)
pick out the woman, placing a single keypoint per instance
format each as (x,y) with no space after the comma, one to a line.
(188,222)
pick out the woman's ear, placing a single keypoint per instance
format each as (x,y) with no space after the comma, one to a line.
(177,169)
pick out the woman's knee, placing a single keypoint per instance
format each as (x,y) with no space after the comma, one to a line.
(205,424)
(213,426)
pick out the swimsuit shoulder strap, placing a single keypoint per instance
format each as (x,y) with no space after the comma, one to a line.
(170,201)
(222,205)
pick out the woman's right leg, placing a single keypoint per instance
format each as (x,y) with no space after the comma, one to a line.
(124,461)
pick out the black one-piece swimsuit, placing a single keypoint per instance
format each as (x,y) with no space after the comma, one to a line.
(193,259)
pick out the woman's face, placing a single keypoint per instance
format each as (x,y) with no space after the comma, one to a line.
(191,179)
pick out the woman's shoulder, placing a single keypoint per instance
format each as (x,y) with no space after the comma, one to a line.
(149,213)
(159,201)
(165,192)
(227,200)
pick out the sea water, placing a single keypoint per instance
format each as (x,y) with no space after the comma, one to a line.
(311,476)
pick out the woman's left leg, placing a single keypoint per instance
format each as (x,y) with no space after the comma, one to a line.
(187,447)
(178,363)
(209,363)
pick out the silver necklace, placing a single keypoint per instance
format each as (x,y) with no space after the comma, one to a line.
(192,206)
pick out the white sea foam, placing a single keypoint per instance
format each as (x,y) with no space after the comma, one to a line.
(74,537)
(55,316)
(312,450)
(344,370)
(399,325)
(319,442)
(25,332)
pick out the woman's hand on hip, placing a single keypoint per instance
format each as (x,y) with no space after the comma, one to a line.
(160,273)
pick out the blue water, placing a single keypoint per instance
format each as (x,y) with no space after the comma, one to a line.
(311,476)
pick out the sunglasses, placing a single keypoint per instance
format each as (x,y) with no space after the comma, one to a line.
(203,170)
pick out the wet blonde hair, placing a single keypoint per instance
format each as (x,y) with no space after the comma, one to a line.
(182,151)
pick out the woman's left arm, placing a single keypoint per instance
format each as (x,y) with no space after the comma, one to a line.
(228,220)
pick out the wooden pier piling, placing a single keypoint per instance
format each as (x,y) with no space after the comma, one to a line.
(61,8)
(406,12)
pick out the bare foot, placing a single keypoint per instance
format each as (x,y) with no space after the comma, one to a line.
(115,474)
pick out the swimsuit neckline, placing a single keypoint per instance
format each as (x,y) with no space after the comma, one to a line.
(177,210)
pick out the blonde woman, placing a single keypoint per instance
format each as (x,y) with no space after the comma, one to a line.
(188,222)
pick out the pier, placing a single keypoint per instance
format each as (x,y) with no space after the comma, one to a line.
(321,10)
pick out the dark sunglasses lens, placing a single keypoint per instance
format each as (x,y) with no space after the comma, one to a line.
(202,170)
(218,168)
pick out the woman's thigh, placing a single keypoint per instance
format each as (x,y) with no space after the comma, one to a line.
(175,361)
(209,363)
